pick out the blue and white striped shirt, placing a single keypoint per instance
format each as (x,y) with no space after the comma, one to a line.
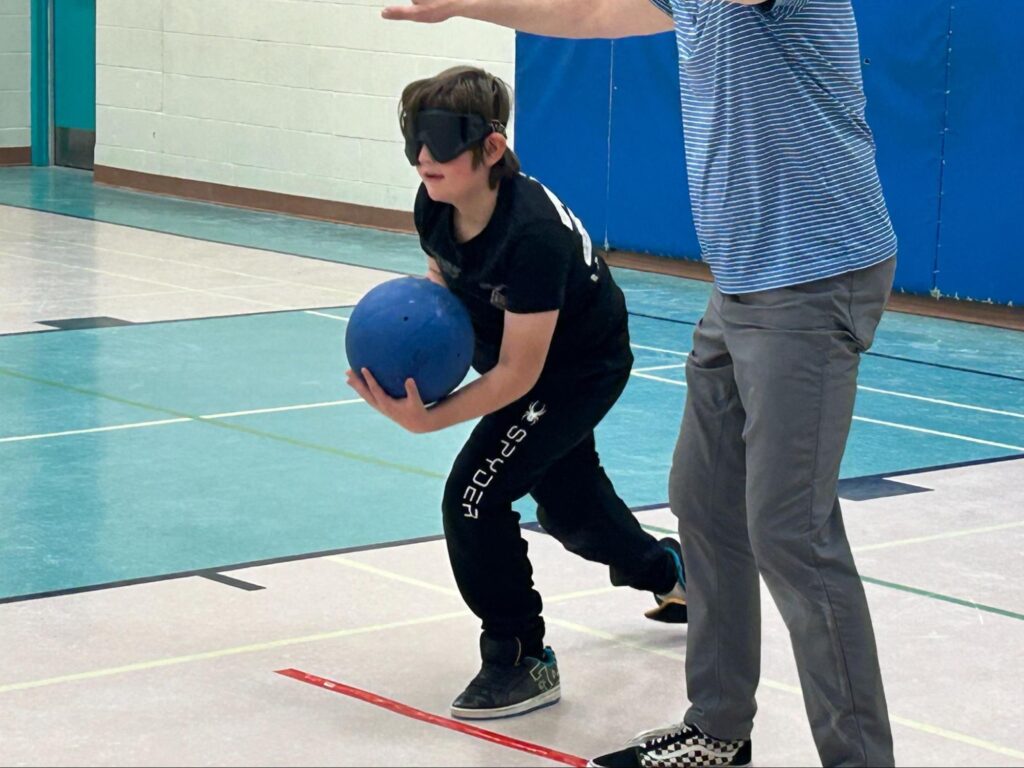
(780,159)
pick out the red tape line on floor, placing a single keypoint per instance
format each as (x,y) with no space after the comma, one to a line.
(427,717)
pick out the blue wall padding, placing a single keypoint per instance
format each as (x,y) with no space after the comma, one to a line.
(982,229)
(951,164)
(903,47)
(649,208)
(561,121)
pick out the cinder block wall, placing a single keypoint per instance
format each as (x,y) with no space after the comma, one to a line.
(290,96)
(15,74)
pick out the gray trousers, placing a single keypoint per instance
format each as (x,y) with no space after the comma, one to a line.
(771,385)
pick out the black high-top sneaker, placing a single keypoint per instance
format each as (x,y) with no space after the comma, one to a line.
(671,606)
(508,682)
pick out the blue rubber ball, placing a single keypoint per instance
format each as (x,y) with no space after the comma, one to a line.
(413,328)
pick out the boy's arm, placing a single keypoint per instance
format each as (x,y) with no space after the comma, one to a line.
(525,341)
(555,18)
(524,348)
(434,272)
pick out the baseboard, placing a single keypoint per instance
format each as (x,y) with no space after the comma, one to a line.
(996,315)
(257,199)
(15,155)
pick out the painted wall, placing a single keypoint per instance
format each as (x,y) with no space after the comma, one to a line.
(15,73)
(74,71)
(291,96)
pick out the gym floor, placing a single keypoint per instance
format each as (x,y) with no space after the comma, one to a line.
(193,501)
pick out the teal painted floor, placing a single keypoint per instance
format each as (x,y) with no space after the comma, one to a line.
(170,491)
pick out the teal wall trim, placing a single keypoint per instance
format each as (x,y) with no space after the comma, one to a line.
(40,82)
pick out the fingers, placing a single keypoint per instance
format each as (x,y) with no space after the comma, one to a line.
(418,10)
(400,13)
(361,386)
(354,381)
(376,390)
(412,391)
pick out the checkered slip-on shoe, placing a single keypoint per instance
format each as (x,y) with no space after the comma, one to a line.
(677,745)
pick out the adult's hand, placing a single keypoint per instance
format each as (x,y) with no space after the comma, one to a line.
(423,11)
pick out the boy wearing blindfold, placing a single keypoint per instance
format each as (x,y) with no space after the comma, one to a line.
(552,348)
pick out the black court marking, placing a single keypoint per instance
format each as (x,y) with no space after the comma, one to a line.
(263,248)
(237,583)
(402,542)
(648,507)
(992,374)
(1006,376)
(216,569)
(84,323)
(662,319)
(955,465)
(259,313)
(865,488)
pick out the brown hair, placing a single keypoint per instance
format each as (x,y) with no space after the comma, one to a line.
(466,90)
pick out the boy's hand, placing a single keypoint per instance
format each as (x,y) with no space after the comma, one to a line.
(408,412)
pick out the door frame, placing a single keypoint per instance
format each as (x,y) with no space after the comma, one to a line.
(42,82)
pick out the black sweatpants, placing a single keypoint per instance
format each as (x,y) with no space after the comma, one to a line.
(542,444)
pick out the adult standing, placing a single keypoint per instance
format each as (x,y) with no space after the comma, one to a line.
(791,219)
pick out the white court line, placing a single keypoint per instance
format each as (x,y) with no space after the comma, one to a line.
(66,433)
(283,408)
(641,375)
(325,314)
(936,401)
(622,642)
(954,436)
(186,288)
(58,302)
(659,349)
(649,368)
(161,422)
(891,393)
(866,420)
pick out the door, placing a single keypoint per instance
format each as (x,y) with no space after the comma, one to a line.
(74,82)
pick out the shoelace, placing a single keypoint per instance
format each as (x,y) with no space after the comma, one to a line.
(666,738)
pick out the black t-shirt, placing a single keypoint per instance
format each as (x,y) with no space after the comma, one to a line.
(533,256)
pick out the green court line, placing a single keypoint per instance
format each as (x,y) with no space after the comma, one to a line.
(226,425)
(943,598)
(905,588)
